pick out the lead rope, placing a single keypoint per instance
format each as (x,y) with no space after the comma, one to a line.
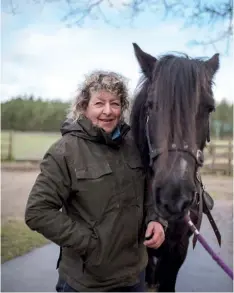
(203,242)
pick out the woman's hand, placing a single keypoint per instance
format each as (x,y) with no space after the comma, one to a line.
(154,235)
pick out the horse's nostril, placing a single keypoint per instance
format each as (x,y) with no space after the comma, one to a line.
(166,206)
(181,205)
(185,204)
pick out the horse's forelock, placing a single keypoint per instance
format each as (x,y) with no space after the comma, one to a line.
(175,91)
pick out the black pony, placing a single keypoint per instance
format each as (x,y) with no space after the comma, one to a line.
(170,124)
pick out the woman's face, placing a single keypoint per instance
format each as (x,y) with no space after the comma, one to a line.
(104,110)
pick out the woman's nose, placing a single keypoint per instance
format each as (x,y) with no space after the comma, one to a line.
(107,108)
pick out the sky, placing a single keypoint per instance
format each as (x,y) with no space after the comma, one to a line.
(43,56)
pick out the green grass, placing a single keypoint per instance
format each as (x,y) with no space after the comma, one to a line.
(33,145)
(17,239)
(29,145)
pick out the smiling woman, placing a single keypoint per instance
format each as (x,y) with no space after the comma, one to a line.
(104,110)
(103,98)
(95,176)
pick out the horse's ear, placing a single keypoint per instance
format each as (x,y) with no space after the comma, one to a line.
(145,60)
(213,63)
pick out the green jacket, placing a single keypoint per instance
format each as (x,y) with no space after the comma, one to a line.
(88,199)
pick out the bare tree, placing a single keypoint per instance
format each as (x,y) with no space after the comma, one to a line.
(210,14)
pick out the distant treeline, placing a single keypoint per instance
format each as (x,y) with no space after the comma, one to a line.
(27,113)
(33,114)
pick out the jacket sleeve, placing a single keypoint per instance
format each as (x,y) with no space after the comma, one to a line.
(151,211)
(49,192)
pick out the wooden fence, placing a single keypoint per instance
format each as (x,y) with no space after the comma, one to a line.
(7,147)
(219,158)
(31,147)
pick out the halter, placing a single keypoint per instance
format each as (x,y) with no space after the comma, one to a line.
(202,198)
(197,155)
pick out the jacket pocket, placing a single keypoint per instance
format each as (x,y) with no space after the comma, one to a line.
(135,163)
(95,190)
(138,178)
(93,171)
(136,170)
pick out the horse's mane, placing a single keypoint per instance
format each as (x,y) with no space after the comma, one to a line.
(173,95)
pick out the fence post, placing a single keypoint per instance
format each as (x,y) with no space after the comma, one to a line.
(10,146)
(230,157)
(213,153)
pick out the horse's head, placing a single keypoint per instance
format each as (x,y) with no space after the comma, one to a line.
(170,123)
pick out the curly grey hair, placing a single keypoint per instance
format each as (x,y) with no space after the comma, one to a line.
(96,81)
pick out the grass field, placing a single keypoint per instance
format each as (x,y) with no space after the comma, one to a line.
(28,145)
(33,145)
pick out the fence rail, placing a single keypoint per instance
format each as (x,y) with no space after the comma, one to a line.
(30,147)
(219,158)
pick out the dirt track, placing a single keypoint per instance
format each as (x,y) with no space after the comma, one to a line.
(17,185)
(15,190)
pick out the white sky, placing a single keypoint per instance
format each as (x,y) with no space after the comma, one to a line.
(47,59)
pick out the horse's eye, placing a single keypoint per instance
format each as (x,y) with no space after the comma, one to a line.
(210,109)
(149,104)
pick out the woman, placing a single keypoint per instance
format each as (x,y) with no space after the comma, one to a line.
(89,197)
